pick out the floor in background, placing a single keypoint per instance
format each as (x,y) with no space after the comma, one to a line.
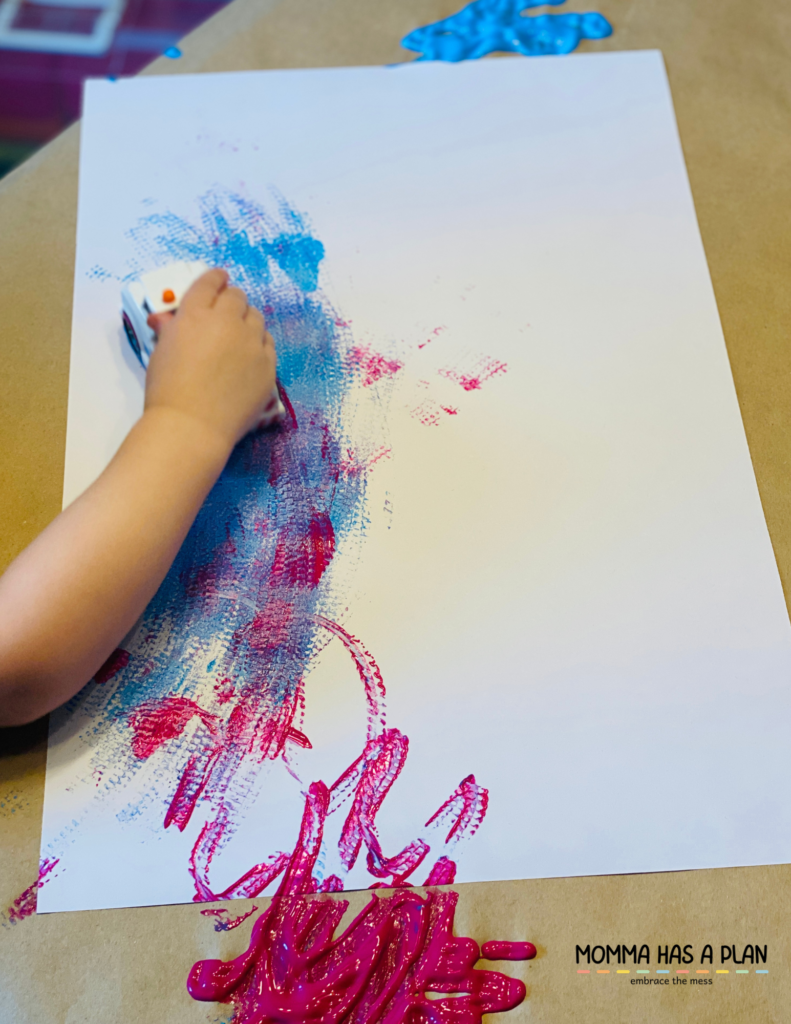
(40,92)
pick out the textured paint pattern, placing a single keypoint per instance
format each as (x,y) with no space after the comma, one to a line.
(25,903)
(490,26)
(382,967)
(209,688)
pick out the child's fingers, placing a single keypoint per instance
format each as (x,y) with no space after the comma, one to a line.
(233,299)
(207,289)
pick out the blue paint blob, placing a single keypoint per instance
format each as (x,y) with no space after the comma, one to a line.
(173,52)
(489,26)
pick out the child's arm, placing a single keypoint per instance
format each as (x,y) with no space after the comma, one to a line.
(72,595)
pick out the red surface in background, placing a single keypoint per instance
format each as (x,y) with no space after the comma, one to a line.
(40,93)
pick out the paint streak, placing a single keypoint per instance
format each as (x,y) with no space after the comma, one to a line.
(489,26)
(25,904)
(485,368)
(383,967)
(465,809)
(210,685)
(231,923)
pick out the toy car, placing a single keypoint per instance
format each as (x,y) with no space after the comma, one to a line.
(161,291)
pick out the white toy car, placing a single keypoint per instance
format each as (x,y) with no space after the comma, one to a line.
(161,291)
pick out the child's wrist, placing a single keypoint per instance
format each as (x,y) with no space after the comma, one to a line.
(189,434)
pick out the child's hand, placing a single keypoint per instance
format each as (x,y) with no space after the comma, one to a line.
(214,361)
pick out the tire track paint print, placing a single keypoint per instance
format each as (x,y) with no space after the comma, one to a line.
(209,689)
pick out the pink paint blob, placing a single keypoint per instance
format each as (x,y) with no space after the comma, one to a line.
(382,968)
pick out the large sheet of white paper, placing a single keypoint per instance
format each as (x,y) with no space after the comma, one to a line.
(514,493)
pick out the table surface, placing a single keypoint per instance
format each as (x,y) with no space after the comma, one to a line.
(730,71)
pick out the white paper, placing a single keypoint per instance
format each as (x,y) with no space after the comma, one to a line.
(567,582)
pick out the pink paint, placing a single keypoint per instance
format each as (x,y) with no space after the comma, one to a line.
(495,950)
(432,336)
(156,722)
(118,660)
(25,904)
(364,785)
(427,413)
(251,884)
(354,466)
(303,553)
(368,671)
(225,691)
(370,778)
(485,368)
(380,969)
(465,808)
(443,872)
(231,923)
(373,366)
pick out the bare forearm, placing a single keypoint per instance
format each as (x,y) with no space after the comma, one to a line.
(69,598)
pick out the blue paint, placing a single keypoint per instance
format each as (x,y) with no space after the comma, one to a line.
(173,52)
(489,26)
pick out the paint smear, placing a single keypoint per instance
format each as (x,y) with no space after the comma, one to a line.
(489,26)
(383,967)
(25,904)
